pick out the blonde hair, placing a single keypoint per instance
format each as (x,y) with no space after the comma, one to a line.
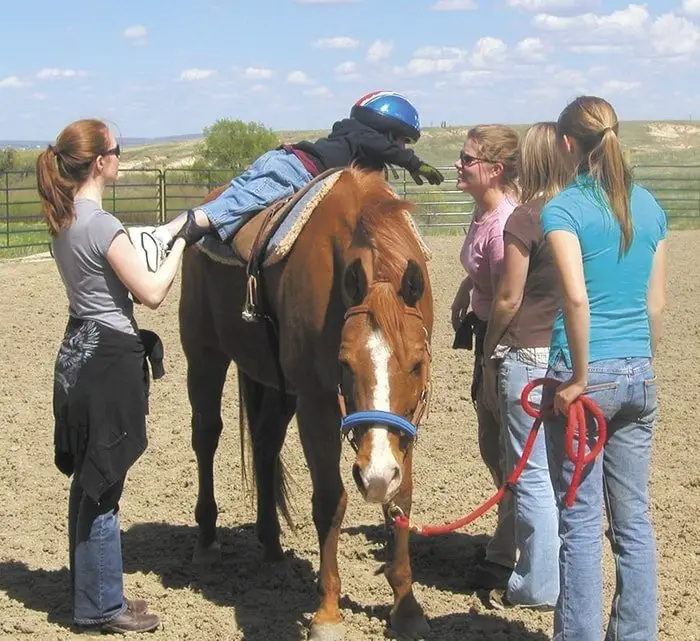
(543,172)
(592,123)
(499,144)
(64,167)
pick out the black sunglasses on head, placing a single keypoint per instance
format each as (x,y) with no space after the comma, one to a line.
(115,151)
(467,159)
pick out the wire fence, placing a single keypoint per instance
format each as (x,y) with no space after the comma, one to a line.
(151,196)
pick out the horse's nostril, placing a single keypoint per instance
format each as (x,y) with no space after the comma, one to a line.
(397,473)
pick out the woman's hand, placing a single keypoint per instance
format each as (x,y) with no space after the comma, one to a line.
(490,390)
(460,305)
(566,394)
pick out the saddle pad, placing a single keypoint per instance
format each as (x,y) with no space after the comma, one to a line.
(284,238)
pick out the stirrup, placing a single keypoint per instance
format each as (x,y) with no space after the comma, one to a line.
(250,313)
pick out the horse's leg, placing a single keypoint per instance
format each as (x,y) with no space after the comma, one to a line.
(319,429)
(268,415)
(206,374)
(407,618)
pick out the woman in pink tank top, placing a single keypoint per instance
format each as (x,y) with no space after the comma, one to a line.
(487,171)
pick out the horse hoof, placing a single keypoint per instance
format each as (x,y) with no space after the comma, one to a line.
(327,632)
(210,555)
(411,627)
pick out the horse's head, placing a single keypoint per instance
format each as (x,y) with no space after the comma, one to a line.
(385,359)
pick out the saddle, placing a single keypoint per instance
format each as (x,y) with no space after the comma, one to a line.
(268,237)
(252,240)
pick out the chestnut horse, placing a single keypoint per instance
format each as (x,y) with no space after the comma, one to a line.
(353,310)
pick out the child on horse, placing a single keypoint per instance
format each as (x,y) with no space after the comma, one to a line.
(375,135)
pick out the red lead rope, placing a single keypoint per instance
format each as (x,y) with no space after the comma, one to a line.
(575,431)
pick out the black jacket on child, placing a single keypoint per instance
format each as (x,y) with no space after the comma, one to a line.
(351,141)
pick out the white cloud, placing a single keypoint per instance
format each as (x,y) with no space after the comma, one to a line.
(196,74)
(13,82)
(345,68)
(258,73)
(596,49)
(347,71)
(618,86)
(435,60)
(46,74)
(298,78)
(438,53)
(327,1)
(422,66)
(340,42)
(477,77)
(691,6)
(379,50)
(39,96)
(531,50)
(672,35)
(318,92)
(623,23)
(554,7)
(454,5)
(488,51)
(136,32)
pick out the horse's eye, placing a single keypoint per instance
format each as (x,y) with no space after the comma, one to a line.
(417,368)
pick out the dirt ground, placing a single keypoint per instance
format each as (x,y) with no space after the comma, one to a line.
(245,599)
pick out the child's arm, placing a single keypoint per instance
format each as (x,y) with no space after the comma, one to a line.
(376,145)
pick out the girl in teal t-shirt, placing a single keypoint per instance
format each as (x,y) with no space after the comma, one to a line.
(608,240)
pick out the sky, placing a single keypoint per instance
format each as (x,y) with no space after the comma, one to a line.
(154,69)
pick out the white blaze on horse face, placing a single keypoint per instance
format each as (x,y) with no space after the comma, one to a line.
(382,475)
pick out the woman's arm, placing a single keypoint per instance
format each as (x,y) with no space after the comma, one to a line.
(149,288)
(656,294)
(511,287)
(566,252)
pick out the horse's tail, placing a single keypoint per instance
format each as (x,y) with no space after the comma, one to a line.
(267,438)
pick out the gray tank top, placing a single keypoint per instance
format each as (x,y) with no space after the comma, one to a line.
(94,290)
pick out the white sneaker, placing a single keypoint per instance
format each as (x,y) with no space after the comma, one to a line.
(150,247)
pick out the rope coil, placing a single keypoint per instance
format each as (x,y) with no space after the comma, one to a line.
(576,430)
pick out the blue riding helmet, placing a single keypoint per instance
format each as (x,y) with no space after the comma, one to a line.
(388,112)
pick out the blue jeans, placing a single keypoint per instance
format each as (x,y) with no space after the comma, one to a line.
(625,390)
(94,542)
(535,578)
(275,175)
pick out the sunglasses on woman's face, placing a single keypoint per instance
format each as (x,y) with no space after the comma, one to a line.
(468,160)
(115,151)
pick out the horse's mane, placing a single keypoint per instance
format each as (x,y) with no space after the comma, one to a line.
(383,227)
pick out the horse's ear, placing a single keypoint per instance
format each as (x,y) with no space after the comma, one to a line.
(355,282)
(412,284)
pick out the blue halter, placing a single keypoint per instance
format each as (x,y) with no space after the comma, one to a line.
(389,419)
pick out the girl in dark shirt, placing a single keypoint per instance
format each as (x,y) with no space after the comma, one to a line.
(516,349)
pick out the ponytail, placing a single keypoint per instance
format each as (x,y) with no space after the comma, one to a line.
(56,192)
(606,164)
(592,123)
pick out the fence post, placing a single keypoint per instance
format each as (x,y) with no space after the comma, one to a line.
(161,198)
(7,207)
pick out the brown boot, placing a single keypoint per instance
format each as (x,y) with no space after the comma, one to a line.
(137,606)
(130,621)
